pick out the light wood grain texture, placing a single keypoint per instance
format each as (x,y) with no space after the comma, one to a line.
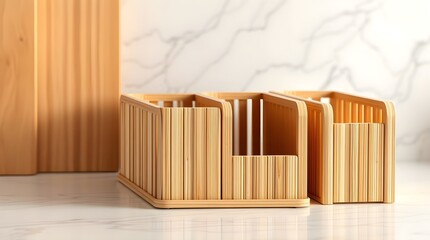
(360,149)
(358,162)
(376,166)
(177,160)
(181,147)
(188,154)
(213,154)
(166,154)
(196,140)
(363,162)
(341,165)
(284,130)
(200,153)
(227,140)
(78,85)
(17,87)
(239,176)
(273,181)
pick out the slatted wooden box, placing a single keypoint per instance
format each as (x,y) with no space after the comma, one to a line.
(351,147)
(196,151)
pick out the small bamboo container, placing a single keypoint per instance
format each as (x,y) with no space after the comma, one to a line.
(351,147)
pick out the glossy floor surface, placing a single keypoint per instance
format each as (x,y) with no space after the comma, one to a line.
(96,206)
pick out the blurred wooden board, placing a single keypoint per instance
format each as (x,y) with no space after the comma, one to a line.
(78,85)
(17,88)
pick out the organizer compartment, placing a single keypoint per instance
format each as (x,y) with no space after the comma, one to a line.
(351,147)
(190,151)
(265,127)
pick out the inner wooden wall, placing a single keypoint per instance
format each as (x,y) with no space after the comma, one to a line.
(78,85)
(17,88)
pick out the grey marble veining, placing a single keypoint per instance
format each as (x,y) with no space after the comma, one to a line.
(96,206)
(373,48)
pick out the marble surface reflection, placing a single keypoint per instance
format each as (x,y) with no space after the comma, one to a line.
(96,206)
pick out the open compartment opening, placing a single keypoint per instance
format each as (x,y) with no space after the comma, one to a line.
(267,162)
(262,124)
(346,108)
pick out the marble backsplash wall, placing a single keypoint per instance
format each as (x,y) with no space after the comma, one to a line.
(378,49)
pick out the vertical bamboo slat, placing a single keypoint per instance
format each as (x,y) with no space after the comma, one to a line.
(200,153)
(270,177)
(262,178)
(242,127)
(177,161)
(256,126)
(280,178)
(353,162)
(363,162)
(376,167)
(291,168)
(149,157)
(188,154)
(248,178)
(238,177)
(166,153)
(213,153)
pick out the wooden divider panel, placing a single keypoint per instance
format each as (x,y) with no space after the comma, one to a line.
(294,118)
(226,130)
(284,129)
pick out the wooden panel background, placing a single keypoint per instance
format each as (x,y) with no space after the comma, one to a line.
(78,85)
(17,88)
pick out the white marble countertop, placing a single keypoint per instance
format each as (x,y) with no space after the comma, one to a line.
(96,206)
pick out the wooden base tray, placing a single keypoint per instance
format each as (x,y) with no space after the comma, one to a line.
(255,203)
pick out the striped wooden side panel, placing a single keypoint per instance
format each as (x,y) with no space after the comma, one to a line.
(137,140)
(265,177)
(190,156)
(358,162)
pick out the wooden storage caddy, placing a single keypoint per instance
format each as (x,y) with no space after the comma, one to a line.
(351,147)
(196,151)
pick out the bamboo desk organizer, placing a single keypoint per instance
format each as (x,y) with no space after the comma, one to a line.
(351,147)
(201,151)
